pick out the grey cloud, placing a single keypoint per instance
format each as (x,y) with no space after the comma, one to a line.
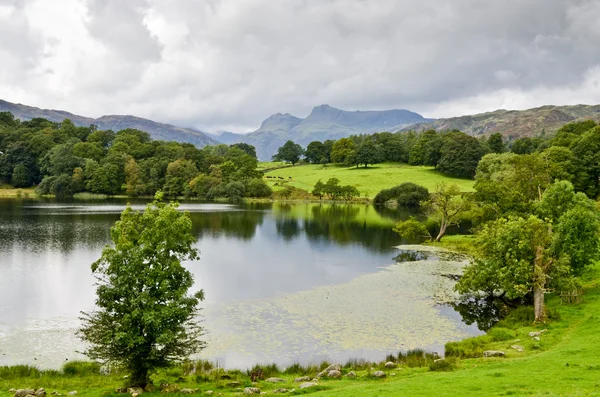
(221,64)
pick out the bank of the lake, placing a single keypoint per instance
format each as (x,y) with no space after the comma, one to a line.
(564,362)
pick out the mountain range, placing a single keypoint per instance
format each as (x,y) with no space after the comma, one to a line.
(156,130)
(326,122)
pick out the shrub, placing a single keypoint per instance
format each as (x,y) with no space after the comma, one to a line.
(416,358)
(258,188)
(263,371)
(407,194)
(467,348)
(443,365)
(235,191)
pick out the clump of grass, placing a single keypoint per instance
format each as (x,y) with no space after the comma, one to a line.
(467,348)
(360,364)
(499,334)
(81,368)
(204,365)
(263,371)
(299,369)
(19,371)
(416,358)
(443,365)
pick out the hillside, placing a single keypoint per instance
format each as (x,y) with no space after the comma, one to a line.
(156,130)
(325,122)
(515,123)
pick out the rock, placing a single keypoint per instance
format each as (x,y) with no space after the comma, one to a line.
(72,393)
(302,379)
(536,338)
(169,388)
(55,393)
(518,348)
(209,392)
(150,388)
(379,374)
(12,390)
(117,390)
(275,380)
(40,392)
(334,373)
(390,364)
(537,333)
(280,390)
(306,385)
(136,390)
(493,353)
(326,370)
(351,374)
(134,394)
(252,390)
(393,374)
(188,391)
(24,392)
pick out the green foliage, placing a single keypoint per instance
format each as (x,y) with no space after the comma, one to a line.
(235,191)
(460,156)
(246,148)
(411,229)
(467,348)
(343,151)
(81,368)
(334,190)
(499,334)
(587,154)
(146,319)
(407,194)
(319,189)
(446,206)
(257,188)
(496,143)
(368,153)
(290,152)
(318,153)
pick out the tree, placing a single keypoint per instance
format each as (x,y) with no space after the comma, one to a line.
(290,152)
(349,192)
(257,188)
(523,146)
(146,317)
(134,184)
(496,143)
(342,150)
(316,152)
(587,158)
(460,156)
(332,188)
(63,186)
(367,153)
(20,176)
(407,194)
(178,177)
(246,148)
(319,189)
(446,205)
(427,149)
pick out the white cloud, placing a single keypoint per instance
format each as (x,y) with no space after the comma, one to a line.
(228,64)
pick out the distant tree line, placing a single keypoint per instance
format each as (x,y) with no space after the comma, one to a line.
(63,159)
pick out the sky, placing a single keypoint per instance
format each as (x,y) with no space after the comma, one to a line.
(229,64)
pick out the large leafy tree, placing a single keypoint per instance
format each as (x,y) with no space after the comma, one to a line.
(146,318)
(460,155)
(316,153)
(496,143)
(368,153)
(446,205)
(290,152)
(342,150)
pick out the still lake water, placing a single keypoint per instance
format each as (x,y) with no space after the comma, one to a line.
(283,283)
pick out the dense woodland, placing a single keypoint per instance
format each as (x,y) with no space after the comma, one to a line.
(63,159)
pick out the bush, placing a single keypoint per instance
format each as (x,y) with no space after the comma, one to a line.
(416,358)
(443,365)
(235,191)
(258,188)
(407,194)
(45,185)
(263,371)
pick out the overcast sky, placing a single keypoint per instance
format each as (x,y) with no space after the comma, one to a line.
(228,64)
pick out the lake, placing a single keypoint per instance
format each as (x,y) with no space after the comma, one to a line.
(283,282)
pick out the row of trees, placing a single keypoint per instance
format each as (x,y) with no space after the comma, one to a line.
(64,159)
(538,227)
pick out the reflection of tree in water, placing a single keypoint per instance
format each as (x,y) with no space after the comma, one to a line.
(411,256)
(288,228)
(239,224)
(338,223)
(484,311)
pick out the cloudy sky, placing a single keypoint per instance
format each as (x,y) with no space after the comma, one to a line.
(228,64)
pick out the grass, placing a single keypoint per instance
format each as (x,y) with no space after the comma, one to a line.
(369,181)
(11,192)
(565,362)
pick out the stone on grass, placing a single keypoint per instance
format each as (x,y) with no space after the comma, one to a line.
(275,380)
(536,338)
(334,373)
(518,348)
(537,333)
(493,353)
(150,388)
(379,374)
(72,393)
(302,379)
(135,390)
(252,390)
(169,388)
(306,385)
(40,392)
(24,392)
(209,392)
(280,390)
(188,391)
(351,374)
(326,370)
(390,364)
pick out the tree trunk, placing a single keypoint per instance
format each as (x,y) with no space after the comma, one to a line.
(139,377)
(443,227)
(538,304)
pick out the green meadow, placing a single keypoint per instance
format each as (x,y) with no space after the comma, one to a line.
(369,181)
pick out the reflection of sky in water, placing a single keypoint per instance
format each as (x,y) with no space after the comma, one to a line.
(253,264)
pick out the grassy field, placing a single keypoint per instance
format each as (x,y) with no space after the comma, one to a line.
(565,362)
(369,181)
